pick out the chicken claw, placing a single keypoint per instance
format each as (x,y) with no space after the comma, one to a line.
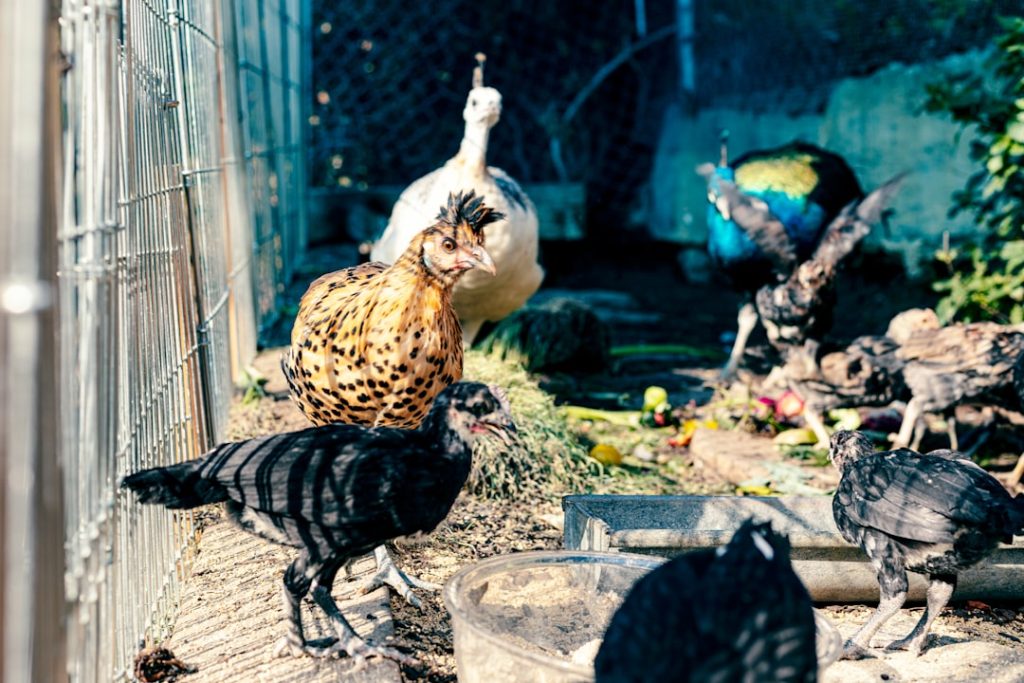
(388,574)
(854,651)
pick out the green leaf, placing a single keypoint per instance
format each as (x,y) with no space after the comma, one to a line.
(1015,131)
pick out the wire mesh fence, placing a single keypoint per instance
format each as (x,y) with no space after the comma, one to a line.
(586,85)
(583,85)
(273,68)
(158,257)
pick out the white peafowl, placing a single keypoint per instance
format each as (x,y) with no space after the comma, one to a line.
(512,242)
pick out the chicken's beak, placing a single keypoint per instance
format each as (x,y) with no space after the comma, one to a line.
(502,426)
(479,258)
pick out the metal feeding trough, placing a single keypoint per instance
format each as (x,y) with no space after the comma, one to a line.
(832,569)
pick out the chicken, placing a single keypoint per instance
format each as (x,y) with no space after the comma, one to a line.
(944,367)
(767,212)
(736,614)
(799,309)
(373,344)
(1018,390)
(335,492)
(512,241)
(865,373)
(934,514)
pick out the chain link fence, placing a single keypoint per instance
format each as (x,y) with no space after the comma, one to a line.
(583,86)
(785,56)
(182,211)
(586,85)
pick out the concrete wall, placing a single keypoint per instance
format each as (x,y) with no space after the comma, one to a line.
(876,123)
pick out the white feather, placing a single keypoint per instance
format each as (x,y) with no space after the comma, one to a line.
(512,242)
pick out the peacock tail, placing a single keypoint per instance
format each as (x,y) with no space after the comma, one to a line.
(804,186)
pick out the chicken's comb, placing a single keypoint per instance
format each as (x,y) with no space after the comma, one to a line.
(502,396)
(468,208)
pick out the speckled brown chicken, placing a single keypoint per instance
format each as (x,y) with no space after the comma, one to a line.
(375,344)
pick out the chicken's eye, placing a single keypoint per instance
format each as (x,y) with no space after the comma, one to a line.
(482,407)
(448,244)
(472,103)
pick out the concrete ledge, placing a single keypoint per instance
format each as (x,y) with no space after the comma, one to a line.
(832,569)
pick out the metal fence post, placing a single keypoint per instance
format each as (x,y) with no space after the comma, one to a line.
(32,645)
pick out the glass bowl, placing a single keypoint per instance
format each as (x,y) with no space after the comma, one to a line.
(539,616)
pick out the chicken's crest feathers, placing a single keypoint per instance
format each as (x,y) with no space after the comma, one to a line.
(467,208)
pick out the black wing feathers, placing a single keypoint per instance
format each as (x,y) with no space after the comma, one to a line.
(925,498)
(325,475)
(742,615)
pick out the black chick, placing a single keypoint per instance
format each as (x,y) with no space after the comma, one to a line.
(736,614)
(934,514)
(336,492)
(559,334)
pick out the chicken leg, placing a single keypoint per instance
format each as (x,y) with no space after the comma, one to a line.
(893,583)
(746,321)
(390,575)
(349,641)
(910,417)
(296,585)
(940,590)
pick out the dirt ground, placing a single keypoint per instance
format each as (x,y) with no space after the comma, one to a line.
(980,643)
(970,643)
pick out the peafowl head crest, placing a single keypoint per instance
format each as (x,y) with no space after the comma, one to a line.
(483,106)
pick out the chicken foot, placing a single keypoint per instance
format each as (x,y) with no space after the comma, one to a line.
(304,577)
(349,641)
(388,574)
(893,582)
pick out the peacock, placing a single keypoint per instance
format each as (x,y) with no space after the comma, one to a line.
(512,241)
(768,210)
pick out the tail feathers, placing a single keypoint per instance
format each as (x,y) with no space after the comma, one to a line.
(852,225)
(178,487)
(871,208)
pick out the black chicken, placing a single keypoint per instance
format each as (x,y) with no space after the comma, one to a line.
(933,514)
(336,492)
(736,614)
(865,373)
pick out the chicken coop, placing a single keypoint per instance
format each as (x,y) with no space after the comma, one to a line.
(166,166)
(153,164)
